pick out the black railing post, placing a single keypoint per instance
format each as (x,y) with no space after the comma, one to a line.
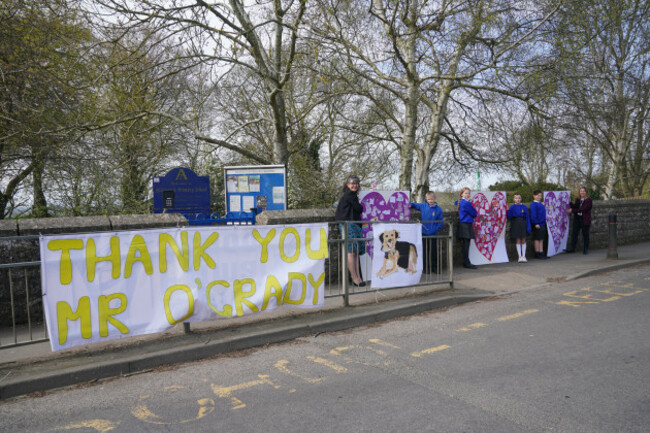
(612,253)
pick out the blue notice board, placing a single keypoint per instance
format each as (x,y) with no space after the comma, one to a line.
(260,187)
(182,191)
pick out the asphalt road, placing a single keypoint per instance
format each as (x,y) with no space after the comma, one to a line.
(571,357)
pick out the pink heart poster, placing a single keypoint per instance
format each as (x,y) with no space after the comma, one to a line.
(557,220)
(489,244)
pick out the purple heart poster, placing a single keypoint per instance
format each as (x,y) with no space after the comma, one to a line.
(557,220)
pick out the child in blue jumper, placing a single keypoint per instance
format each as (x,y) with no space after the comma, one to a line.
(519,226)
(466,215)
(431,217)
(538,223)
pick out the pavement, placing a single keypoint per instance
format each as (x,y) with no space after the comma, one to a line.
(34,368)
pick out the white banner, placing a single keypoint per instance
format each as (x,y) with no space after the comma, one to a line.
(102,286)
(398,255)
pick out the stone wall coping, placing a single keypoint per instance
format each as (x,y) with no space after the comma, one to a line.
(57,225)
(88,224)
(147,221)
(8,228)
(295,216)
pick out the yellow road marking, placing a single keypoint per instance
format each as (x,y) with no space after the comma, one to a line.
(328,363)
(338,350)
(575,304)
(383,343)
(429,351)
(616,289)
(142,412)
(628,289)
(516,315)
(476,325)
(101,425)
(226,391)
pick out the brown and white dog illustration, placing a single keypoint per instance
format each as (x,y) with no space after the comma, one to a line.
(397,254)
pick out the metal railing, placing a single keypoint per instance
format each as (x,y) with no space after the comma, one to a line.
(338,282)
(22,318)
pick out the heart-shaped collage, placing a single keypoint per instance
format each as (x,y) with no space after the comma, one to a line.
(556,216)
(490,222)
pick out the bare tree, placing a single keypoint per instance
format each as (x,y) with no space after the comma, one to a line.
(425,52)
(259,37)
(606,83)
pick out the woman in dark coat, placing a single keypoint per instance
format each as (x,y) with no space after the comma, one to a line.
(581,210)
(349,209)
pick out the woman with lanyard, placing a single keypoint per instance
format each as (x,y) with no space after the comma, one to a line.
(581,210)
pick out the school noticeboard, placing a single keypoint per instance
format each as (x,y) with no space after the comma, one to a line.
(261,187)
(103,286)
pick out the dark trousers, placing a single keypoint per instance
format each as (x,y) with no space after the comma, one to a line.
(430,256)
(577,228)
(465,245)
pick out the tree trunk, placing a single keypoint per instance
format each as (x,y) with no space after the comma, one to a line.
(408,141)
(39,209)
(4,201)
(280,144)
(431,141)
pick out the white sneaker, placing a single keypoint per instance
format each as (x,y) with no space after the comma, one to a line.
(520,260)
(523,260)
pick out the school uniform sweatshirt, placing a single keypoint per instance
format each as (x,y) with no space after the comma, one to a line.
(429,213)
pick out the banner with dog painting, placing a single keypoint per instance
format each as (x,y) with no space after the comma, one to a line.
(557,220)
(489,245)
(398,260)
(380,206)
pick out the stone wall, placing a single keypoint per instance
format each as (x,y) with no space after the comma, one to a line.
(19,244)
(19,241)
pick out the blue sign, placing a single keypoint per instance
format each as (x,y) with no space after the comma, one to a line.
(181,191)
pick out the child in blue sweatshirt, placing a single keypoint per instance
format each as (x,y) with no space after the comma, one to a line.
(538,223)
(466,215)
(519,226)
(431,217)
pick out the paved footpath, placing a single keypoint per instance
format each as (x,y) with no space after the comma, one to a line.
(33,367)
